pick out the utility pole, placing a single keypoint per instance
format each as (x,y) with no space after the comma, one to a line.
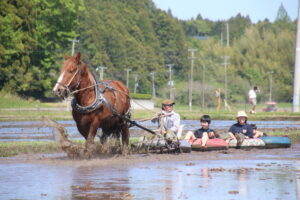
(153,85)
(297,67)
(101,70)
(135,82)
(203,81)
(221,39)
(191,77)
(170,83)
(227,30)
(73,45)
(127,77)
(225,74)
(270,97)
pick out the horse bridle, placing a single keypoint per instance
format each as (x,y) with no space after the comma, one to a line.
(67,87)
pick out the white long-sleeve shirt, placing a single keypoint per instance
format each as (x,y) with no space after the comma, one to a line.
(171,121)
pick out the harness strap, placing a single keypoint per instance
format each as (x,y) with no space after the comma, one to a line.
(95,105)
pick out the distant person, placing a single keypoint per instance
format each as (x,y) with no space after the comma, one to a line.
(218,95)
(168,120)
(257,133)
(204,132)
(241,130)
(252,98)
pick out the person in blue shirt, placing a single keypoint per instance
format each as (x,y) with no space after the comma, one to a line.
(204,132)
(241,130)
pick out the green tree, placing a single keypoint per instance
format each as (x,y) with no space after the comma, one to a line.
(16,43)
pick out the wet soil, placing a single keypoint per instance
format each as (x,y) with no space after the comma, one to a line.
(228,174)
(292,153)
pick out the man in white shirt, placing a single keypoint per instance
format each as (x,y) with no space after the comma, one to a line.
(252,98)
(168,120)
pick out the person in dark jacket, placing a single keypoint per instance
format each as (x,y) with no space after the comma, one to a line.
(204,132)
(241,130)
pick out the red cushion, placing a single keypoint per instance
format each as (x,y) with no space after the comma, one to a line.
(216,142)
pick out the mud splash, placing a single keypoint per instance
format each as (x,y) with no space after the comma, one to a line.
(79,150)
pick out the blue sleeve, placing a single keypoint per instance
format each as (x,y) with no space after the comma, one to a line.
(249,131)
(232,129)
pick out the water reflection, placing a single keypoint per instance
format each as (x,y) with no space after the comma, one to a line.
(271,181)
(221,179)
(26,181)
(92,183)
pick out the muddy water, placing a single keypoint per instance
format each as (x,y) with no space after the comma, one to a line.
(38,131)
(231,174)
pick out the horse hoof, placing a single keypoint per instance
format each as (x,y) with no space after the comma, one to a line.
(125,151)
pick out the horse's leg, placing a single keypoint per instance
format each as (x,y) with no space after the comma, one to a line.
(90,147)
(104,135)
(83,129)
(125,137)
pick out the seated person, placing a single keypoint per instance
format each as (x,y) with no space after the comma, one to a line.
(204,132)
(241,130)
(257,133)
(168,120)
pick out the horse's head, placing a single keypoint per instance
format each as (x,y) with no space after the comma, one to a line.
(70,76)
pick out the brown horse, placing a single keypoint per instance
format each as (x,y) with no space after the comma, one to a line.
(95,104)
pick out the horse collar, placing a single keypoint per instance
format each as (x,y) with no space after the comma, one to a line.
(95,105)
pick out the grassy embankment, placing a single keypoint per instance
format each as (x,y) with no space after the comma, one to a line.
(8,149)
(13,108)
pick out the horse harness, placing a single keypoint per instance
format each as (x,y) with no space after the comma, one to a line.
(99,99)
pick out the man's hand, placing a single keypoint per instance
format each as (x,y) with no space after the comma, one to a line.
(157,115)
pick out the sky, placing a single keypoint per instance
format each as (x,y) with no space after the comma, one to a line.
(224,9)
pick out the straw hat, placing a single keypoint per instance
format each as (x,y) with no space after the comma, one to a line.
(168,102)
(241,113)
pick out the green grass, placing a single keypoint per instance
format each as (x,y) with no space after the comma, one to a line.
(13,108)
(8,149)
(14,101)
(15,148)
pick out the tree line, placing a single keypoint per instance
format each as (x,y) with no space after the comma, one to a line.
(129,34)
